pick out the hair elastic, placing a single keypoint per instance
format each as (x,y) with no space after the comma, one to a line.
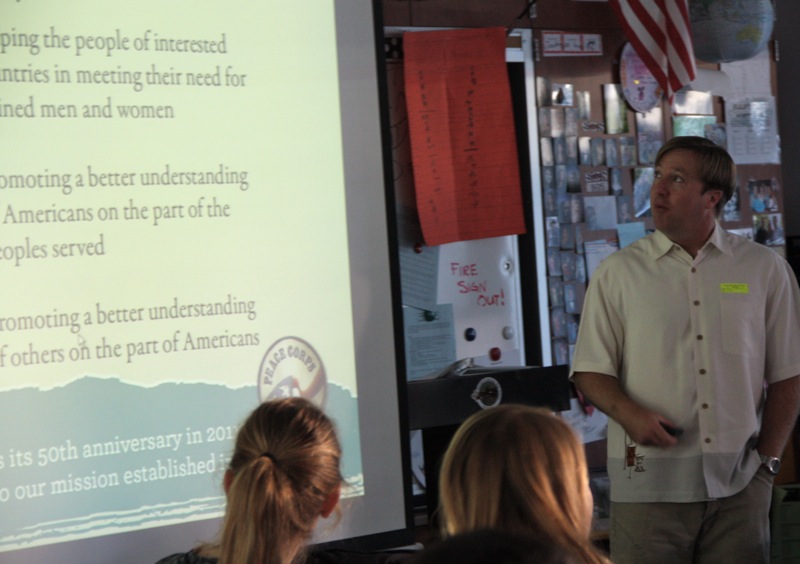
(269,455)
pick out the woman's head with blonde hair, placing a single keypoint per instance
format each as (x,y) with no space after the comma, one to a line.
(522,470)
(283,475)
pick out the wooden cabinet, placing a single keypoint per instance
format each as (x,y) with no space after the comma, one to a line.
(559,14)
(452,13)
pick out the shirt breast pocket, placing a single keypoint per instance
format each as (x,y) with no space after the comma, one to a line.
(742,326)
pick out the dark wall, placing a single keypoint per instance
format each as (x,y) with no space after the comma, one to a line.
(788,78)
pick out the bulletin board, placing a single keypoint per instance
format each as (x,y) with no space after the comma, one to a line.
(465,299)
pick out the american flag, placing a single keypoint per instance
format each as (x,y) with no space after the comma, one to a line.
(659,31)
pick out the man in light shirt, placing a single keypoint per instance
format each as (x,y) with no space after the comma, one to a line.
(690,342)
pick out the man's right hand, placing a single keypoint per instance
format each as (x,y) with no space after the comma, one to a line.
(647,428)
(643,426)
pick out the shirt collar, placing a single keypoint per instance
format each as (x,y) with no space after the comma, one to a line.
(720,239)
(661,244)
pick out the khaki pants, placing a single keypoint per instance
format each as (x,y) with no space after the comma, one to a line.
(729,530)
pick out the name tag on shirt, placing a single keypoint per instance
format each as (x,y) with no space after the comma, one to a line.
(732,288)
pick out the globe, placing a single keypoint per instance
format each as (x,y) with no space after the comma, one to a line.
(730,30)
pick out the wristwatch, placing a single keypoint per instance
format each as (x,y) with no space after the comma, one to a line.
(773,463)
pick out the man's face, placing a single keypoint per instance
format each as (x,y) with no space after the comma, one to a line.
(680,208)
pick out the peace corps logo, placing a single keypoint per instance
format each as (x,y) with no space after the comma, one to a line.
(291,368)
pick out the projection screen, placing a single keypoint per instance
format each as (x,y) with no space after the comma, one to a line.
(193,221)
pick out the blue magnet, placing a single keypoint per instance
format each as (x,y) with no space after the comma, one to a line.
(470,334)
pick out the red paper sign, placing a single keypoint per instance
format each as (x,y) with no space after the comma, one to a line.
(463,146)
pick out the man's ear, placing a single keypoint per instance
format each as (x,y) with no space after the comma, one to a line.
(715,197)
(331,501)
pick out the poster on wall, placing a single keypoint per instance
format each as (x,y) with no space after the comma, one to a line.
(752,130)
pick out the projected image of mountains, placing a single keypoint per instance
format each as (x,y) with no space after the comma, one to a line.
(100,454)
